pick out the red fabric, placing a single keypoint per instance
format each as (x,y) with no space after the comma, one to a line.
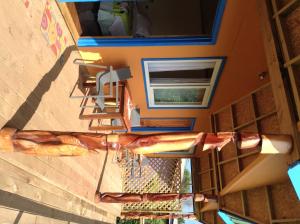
(220,139)
(128,107)
(111,197)
(149,215)
(217,140)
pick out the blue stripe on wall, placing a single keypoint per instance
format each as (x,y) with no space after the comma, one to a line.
(150,41)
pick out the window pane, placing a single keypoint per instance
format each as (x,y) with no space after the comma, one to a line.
(183,76)
(178,96)
(160,66)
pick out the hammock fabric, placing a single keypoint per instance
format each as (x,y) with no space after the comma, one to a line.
(149,215)
(77,144)
(112,197)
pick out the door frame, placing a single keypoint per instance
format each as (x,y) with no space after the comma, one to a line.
(153,41)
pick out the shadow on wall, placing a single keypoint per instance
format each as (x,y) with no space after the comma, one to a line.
(25,112)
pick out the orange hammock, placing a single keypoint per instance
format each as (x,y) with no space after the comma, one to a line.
(149,215)
(112,197)
(77,144)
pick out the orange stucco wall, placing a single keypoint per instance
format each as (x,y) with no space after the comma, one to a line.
(239,40)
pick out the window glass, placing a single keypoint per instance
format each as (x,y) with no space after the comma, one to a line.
(184,96)
(181,76)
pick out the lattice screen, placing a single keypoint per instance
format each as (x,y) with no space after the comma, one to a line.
(158,176)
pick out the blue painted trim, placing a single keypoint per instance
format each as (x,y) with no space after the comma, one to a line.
(218,20)
(294,175)
(155,41)
(193,123)
(223,58)
(145,83)
(213,90)
(226,217)
(143,42)
(166,129)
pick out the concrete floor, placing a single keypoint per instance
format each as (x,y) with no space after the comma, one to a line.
(34,94)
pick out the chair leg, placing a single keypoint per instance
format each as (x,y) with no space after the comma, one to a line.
(107,128)
(113,115)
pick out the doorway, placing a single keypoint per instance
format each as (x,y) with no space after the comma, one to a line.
(146,22)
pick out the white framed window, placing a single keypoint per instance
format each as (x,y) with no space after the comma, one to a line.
(181,83)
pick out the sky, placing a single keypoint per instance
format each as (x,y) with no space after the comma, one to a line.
(188,205)
(189,221)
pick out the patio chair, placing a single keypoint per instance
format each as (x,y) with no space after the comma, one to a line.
(123,119)
(111,106)
(107,76)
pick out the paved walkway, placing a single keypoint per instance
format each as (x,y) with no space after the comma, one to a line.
(37,74)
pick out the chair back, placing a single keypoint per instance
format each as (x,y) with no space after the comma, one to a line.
(103,78)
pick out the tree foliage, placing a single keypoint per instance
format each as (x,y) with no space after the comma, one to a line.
(128,221)
(186,181)
(137,221)
(155,221)
(181,221)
